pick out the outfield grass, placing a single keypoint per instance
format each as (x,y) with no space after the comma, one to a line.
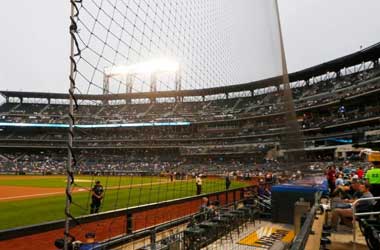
(85,181)
(39,210)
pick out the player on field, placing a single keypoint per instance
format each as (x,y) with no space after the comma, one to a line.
(97,196)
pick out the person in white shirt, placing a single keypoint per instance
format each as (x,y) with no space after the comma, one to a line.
(198,183)
(339,181)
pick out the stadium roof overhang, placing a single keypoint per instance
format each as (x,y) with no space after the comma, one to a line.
(275,81)
(371,53)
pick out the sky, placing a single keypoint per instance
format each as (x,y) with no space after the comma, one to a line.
(34,43)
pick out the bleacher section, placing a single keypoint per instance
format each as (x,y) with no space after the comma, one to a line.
(335,107)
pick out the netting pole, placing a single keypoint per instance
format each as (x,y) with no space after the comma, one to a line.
(293,136)
(282,48)
(69,172)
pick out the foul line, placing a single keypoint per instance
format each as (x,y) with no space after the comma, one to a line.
(30,195)
(83,189)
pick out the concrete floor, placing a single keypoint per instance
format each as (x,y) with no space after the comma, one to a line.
(227,244)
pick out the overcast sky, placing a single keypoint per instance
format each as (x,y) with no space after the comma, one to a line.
(34,41)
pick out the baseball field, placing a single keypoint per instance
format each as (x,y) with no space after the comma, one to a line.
(28,200)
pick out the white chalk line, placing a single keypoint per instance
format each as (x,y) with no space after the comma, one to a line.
(78,190)
(36,195)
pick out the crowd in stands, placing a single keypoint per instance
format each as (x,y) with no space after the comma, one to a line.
(210,150)
(323,92)
(256,134)
(137,162)
(334,89)
(189,140)
(32,163)
(249,136)
(265,133)
(347,183)
(54,162)
(344,174)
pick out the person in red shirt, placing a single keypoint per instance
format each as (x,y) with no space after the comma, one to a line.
(360,173)
(331,178)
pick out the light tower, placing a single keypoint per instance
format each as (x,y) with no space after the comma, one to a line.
(178,82)
(152,68)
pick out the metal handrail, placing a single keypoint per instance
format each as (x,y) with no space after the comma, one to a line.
(301,238)
(119,240)
(354,214)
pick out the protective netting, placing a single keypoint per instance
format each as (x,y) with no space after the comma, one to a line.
(215,43)
(134,46)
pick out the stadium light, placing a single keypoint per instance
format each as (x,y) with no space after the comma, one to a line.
(158,65)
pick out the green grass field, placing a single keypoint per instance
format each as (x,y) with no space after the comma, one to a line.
(144,190)
(60,181)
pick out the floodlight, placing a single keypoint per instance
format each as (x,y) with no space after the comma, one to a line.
(158,65)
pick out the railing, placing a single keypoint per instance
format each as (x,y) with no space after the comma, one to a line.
(151,232)
(301,238)
(125,221)
(355,214)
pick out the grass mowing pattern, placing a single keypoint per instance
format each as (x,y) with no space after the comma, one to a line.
(85,181)
(40,210)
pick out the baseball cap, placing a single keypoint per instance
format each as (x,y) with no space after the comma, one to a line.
(354,181)
(90,235)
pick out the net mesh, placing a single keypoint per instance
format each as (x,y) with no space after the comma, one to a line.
(206,38)
(132,46)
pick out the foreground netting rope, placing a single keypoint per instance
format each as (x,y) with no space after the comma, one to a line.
(73,105)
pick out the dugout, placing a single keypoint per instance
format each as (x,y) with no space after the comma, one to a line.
(284,197)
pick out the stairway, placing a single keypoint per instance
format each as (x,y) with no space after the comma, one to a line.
(99,111)
(4,158)
(236,104)
(146,112)
(43,109)
(15,107)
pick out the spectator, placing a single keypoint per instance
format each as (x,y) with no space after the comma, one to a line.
(90,242)
(345,214)
(339,181)
(347,170)
(342,111)
(205,203)
(373,178)
(205,209)
(267,190)
(347,194)
(360,173)
(331,177)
